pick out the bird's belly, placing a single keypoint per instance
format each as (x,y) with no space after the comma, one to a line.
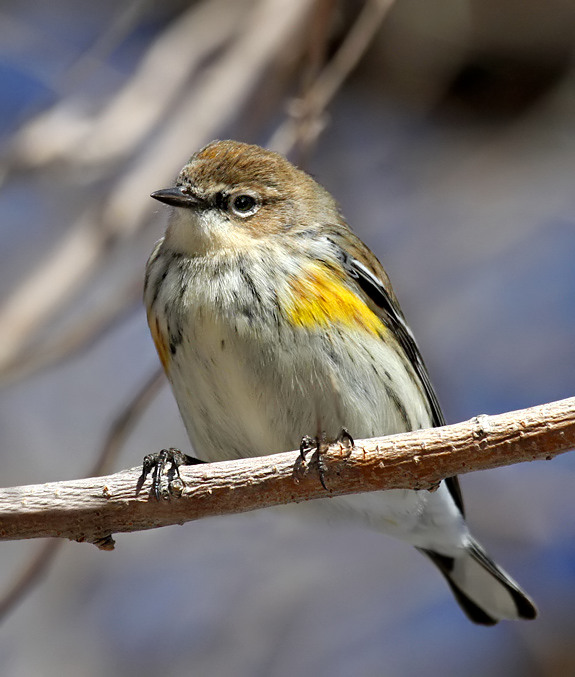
(255,393)
(428,520)
(242,395)
(241,398)
(221,403)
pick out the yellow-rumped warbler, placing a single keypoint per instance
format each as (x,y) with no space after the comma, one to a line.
(272,319)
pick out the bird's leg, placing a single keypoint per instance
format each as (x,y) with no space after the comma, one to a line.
(346,440)
(157,463)
(306,445)
(318,444)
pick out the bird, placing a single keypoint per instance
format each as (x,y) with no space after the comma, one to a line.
(273,320)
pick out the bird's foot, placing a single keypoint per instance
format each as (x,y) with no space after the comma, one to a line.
(346,442)
(319,445)
(165,465)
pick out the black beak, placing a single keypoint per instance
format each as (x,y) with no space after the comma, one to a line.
(175,197)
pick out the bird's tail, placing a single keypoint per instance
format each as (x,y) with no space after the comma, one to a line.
(485,592)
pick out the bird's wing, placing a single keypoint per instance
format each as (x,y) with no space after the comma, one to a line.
(388,309)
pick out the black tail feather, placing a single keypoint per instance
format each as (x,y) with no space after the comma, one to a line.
(474,596)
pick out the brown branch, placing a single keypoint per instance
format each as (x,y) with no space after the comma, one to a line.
(92,509)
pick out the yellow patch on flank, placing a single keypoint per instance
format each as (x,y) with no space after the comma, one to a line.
(320,298)
(159,341)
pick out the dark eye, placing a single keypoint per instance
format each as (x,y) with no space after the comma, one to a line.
(244,205)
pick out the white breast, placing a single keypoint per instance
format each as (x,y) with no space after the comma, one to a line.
(248,385)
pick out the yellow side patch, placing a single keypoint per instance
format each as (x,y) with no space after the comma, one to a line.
(320,299)
(159,341)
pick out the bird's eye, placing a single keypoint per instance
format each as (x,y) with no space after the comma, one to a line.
(244,205)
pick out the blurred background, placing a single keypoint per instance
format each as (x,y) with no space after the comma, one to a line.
(446,131)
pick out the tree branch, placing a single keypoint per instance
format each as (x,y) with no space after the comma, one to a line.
(94,508)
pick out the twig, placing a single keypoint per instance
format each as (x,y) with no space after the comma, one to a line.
(124,423)
(75,339)
(32,574)
(67,135)
(92,509)
(305,123)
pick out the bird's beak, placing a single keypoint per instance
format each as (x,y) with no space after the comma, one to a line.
(175,197)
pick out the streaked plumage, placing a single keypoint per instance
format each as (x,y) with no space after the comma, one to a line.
(273,320)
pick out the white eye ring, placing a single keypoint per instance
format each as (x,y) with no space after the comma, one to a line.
(244,204)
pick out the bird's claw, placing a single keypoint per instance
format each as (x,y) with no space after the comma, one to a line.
(166,481)
(319,445)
